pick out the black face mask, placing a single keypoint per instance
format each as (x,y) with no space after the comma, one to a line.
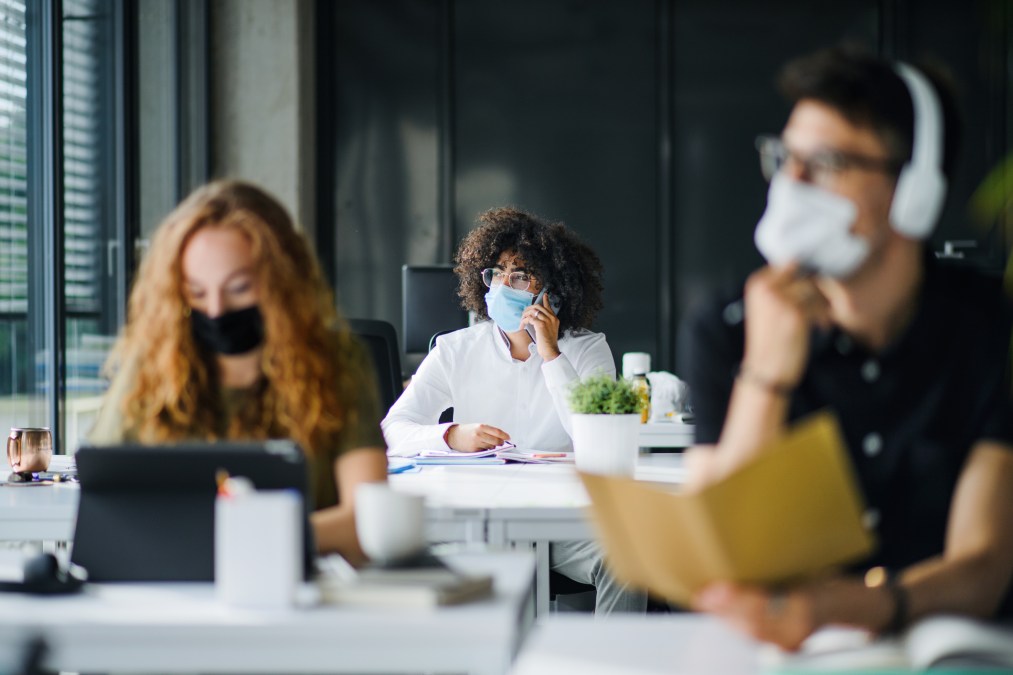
(230,333)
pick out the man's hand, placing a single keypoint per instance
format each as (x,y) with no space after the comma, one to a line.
(783,618)
(781,307)
(546,325)
(475,437)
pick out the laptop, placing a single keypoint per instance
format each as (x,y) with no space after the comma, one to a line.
(147,511)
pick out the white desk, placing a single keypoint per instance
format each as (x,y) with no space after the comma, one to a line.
(674,644)
(666,435)
(505,506)
(38,512)
(146,628)
(517,505)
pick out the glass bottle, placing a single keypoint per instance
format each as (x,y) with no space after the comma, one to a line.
(643,389)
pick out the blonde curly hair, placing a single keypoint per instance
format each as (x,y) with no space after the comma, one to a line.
(309,360)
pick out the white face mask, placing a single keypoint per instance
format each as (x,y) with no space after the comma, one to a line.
(812,226)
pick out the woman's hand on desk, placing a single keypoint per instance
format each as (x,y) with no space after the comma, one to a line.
(785,618)
(475,437)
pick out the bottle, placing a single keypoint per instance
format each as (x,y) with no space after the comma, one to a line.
(643,389)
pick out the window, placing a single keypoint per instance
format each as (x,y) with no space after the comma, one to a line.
(16,352)
(82,316)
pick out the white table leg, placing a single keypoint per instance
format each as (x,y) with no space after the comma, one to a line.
(541,578)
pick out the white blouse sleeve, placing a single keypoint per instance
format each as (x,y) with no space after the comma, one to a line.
(412,424)
(590,355)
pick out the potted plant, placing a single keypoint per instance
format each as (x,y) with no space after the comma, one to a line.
(605,423)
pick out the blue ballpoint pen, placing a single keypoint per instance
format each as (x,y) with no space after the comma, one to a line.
(407,466)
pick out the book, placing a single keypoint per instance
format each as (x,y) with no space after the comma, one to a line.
(946,642)
(791,513)
(446,456)
(457,454)
(535,456)
(487,460)
(423,582)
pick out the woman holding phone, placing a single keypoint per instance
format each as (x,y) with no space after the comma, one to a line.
(232,334)
(539,288)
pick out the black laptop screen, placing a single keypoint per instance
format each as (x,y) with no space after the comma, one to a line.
(147,511)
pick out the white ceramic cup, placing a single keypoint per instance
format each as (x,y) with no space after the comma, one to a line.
(390,525)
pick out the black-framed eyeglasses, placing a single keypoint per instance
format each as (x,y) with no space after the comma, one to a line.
(821,167)
(519,281)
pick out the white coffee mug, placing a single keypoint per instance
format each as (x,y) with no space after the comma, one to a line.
(390,524)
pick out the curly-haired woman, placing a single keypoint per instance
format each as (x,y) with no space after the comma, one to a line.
(507,378)
(232,334)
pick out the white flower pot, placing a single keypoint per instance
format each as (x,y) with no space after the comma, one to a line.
(606,444)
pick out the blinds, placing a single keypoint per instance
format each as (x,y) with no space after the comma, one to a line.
(83,162)
(84,119)
(13,159)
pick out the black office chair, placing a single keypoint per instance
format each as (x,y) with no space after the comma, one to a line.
(560,584)
(437,334)
(431,305)
(380,340)
(448,414)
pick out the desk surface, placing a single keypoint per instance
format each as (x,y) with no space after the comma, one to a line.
(666,435)
(673,644)
(48,512)
(517,505)
(38,512)
(521,486)
(180,628)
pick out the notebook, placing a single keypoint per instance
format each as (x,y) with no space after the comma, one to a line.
(147,511)
(792,512)
(426,581)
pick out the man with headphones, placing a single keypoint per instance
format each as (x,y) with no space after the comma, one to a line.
(853,314)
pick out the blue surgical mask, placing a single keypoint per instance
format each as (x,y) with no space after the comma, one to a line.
(505,306)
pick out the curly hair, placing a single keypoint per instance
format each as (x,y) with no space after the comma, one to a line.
(553,254)
(308,360)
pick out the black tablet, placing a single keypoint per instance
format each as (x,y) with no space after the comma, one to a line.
(147,511)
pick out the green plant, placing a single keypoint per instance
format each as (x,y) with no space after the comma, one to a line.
(602,395)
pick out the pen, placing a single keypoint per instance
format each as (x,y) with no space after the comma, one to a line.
(544,455)
(232,486)
(400,469)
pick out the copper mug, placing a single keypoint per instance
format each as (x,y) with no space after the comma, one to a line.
(29,449)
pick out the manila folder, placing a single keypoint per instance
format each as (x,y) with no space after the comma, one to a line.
(791,513)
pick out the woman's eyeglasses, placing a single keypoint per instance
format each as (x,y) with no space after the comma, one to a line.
(519,281)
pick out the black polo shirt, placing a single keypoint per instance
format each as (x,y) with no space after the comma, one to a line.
(910,413)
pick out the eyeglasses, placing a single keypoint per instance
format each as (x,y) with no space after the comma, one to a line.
(519,281)
(821,167)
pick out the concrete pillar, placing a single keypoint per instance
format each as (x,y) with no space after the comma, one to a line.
(263,100)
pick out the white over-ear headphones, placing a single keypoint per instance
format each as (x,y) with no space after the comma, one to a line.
(921,185)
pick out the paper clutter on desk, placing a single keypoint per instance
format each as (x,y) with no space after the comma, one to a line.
(669,395)
(258,546)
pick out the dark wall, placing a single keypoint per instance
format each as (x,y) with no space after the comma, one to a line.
(633,122)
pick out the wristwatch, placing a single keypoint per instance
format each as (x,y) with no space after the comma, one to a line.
(880,577)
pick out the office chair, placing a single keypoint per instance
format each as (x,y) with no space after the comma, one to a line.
(448,414)
(430,305)
(380,341)
(560,584)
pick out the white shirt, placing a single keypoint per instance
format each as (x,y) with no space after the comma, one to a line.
(472,370)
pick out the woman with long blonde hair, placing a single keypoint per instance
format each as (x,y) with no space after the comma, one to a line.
(232,333)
